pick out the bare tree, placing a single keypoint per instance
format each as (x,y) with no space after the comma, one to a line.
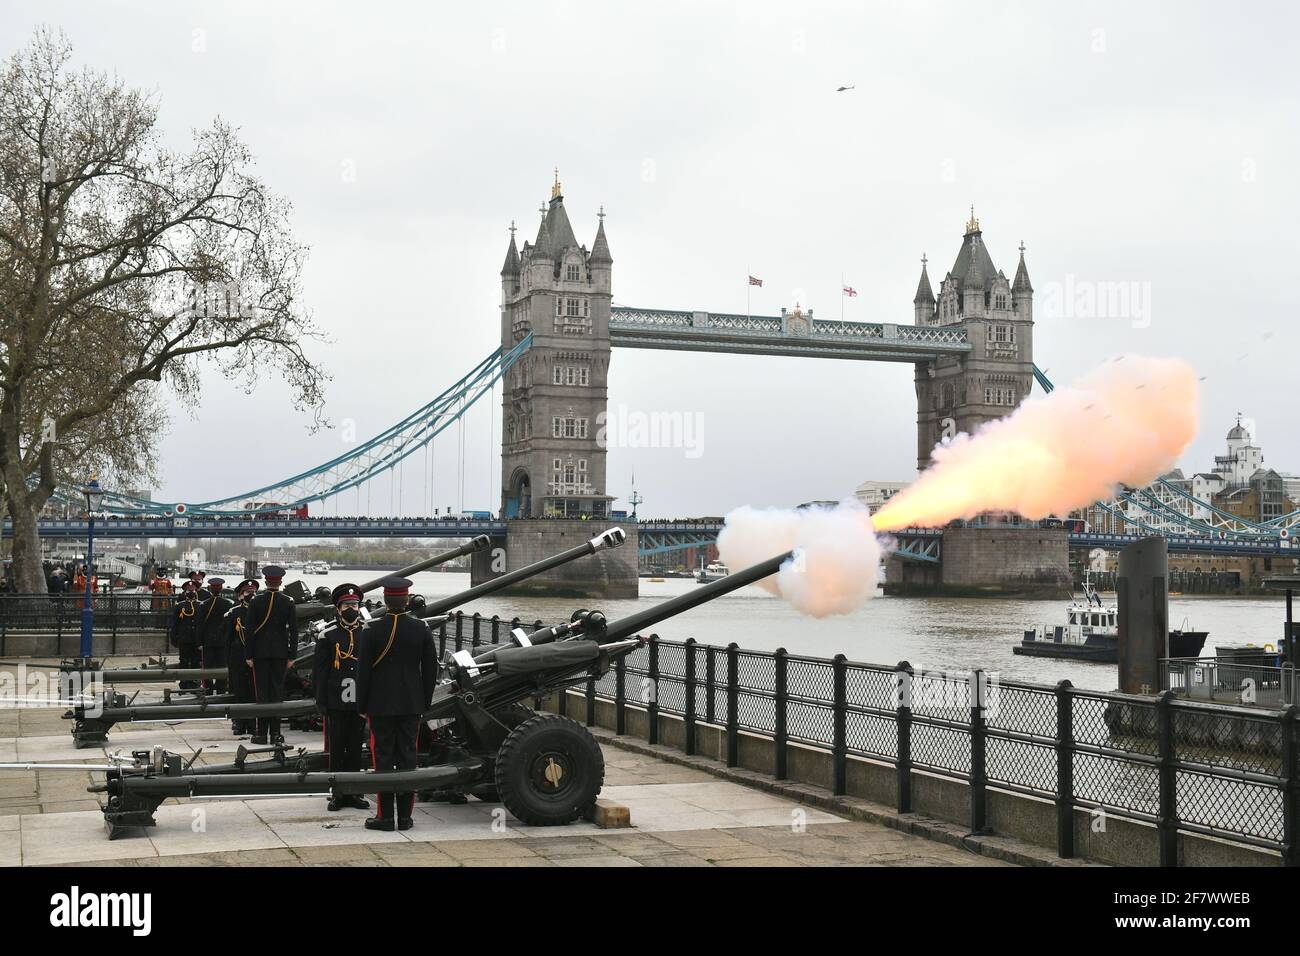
(124,263)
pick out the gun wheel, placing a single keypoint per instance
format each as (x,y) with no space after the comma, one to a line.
(549,771)
(512,715)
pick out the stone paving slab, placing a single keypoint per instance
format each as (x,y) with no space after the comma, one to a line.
(681,816)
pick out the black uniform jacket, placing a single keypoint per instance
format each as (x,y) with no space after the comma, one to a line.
(235,627)
(398,667)
(185,628)
(334,668)
(271,627)
(211,617)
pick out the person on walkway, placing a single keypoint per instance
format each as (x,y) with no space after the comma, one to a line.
(334,675)
(212,633)
(241,676)
(272,646)
(396,676)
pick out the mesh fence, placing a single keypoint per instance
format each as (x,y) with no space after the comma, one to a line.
(1226,763)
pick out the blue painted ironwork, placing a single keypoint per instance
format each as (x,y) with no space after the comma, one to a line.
(356,466)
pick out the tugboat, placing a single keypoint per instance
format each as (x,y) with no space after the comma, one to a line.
(1092,634)
(711,572)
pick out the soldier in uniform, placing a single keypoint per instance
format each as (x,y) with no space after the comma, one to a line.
(184,631)
(396,676)
(212,631)
(334,675)
(236,630)
(272,645)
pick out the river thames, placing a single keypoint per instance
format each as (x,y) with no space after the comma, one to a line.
(931,633)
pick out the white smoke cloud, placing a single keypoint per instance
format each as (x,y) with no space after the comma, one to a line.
(837,561)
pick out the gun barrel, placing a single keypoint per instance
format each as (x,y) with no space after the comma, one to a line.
(154,675)
(477,543)
(611,538)
(312,609)
(58,766)
(638,622)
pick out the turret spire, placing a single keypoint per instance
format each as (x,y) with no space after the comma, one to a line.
(511,267)
(924,295)
(600,248)
(1021,283)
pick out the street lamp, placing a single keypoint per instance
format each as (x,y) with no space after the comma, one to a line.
(94,496)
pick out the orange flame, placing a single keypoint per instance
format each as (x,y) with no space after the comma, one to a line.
(1126,422)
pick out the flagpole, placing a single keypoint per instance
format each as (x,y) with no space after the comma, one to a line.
(748,287)
(842,296)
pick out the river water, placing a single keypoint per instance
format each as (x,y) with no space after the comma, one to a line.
(931,633)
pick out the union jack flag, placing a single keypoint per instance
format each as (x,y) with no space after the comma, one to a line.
(850,291)
(757,282)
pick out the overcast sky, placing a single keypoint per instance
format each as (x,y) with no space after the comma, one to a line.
(1153,144)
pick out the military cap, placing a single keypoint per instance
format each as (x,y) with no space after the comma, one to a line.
(396,587)
(345,592)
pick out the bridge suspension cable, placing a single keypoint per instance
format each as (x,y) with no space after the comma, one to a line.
(384,452)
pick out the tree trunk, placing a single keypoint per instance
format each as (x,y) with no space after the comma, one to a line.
(29,572)
(24,504)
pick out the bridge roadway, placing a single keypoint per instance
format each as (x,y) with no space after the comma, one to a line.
(658,536)
(787,334)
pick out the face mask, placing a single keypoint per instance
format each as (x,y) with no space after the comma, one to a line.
(349,615)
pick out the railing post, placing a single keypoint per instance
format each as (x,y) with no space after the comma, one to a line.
(903,765)
(733,704)
(475,635)
(591,702)
(781,700)
(710,681)
(460,630)
(1290,788)
(442,638)
(496,629)
(652,705)
(620,695)
(1064,770)
(1167,816)
(689,682)
(839,713)
(978,755)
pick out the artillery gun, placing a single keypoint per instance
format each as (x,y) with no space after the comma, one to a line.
(92,721)
(546,769)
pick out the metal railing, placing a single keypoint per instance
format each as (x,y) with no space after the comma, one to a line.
(1229,681)
(60,615)
(1184,766)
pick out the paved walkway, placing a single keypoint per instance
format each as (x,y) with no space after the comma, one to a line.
(681,817)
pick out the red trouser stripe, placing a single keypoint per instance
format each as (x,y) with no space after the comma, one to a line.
(374,766)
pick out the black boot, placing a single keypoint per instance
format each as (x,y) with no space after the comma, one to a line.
(374,823)
(405,823)
(358,802)
(259,739)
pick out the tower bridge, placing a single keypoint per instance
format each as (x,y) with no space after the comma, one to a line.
(971,345)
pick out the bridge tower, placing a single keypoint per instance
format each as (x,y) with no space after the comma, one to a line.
(554,397)
(552,411)
(960,393)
